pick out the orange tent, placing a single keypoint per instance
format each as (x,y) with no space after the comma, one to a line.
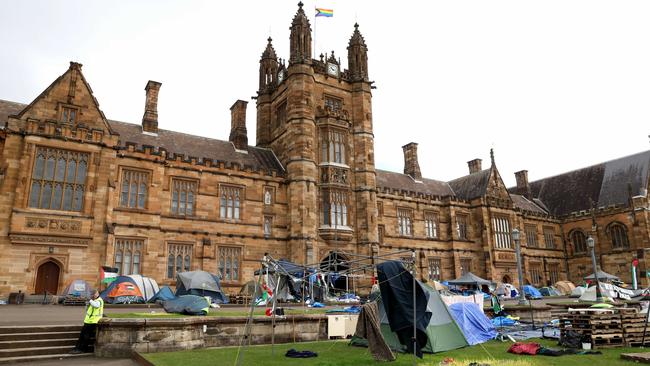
(125,289)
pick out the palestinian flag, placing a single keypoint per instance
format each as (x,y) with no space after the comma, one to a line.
(108,274)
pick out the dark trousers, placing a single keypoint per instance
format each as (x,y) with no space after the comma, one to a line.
(87,337)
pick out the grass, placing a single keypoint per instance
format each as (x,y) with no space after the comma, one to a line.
(213,312)
(331,353)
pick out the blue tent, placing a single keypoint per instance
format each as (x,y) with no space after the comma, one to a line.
(532,292)
(476,327)
(164,294)
(187,304)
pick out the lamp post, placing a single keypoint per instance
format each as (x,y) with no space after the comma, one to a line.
(522,294)
(592,247)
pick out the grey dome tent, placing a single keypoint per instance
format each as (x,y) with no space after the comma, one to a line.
(469,279)
(602,276)
(200,283)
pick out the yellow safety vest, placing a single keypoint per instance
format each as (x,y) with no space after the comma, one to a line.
(93,314)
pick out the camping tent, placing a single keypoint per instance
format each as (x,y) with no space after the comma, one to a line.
(291,280)
(564,287)
(442,332)
(532,292)
(602,276)
(608,291)
(148,286)
(476,327)
(438,286)
(200,283)
(549,291)
(469,279)
(78,288)
(164,294)
(187,304)
(578,291)
(122,291)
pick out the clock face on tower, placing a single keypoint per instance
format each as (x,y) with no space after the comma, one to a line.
(332,69)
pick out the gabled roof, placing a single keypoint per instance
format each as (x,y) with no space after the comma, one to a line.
(196,146)
(603,184)
(523,203)
(392,180)
(7,109)
(472,185)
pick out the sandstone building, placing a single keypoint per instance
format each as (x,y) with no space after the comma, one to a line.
(78,190)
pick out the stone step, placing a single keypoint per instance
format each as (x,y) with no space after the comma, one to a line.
(11,329)
(58,356)
(37,336)
(35,343)
(35,351)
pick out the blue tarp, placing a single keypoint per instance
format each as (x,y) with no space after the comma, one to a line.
(187,304)
(164,294)
(476,327)
(532,292)
(502,321)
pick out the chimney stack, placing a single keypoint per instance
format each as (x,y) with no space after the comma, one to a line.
(523,187)
(475,166)
(150,118)
(411,165)
(238,134)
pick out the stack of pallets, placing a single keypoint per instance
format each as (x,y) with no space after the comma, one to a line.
(603,327)
(633,324)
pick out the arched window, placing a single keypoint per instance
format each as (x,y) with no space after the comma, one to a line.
(618,233)
(579,241)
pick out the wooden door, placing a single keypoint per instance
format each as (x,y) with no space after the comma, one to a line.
(47,278)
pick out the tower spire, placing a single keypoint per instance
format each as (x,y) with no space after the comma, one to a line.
(300,38)
(357,56)
(268,68)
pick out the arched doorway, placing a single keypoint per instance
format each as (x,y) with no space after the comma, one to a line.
(506,279)
(335,263)
(47,278)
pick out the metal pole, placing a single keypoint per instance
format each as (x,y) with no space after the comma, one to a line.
(414,312)
(522,294)
(592,246)
(275,297)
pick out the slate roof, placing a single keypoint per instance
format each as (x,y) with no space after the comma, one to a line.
(392,180)
(523,203)
(472,185)
(178,143)
(605,184)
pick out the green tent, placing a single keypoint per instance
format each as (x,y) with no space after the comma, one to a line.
(442,331)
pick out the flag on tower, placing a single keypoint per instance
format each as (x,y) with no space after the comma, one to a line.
(320,12)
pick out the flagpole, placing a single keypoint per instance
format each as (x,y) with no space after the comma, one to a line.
(314,51)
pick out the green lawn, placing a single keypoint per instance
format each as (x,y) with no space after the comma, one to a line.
(213,312)
(338,353)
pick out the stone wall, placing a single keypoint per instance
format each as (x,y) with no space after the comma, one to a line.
(120,337)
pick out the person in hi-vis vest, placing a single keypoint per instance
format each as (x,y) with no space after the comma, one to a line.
(94,312)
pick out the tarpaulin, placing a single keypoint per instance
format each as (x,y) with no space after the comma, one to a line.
(476,327)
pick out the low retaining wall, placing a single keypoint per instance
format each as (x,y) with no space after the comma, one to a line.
(541,313)
(120,337)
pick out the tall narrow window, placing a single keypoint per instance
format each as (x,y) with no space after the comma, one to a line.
(230,202)
(405,221)
(69,115)
(333,147)
(333,103)
(536,274)
(179,259)
(549,238)
(579,241)
(334,208)
(380,208)
(134,189)
(268,224)
(128,256)
(501,229)
(431,225)
(619,236)
(553,273)
(461,227)
(465,265)
(183,197)
(281,114)
(58,179)
(435,269)
(380,234)
(229,259)
(531,236)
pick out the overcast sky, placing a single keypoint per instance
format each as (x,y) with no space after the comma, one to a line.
(552,86)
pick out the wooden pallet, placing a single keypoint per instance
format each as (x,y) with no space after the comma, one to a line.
(607,340)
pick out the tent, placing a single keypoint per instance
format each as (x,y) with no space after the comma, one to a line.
(507,290)
(578,291)
(122,291)
(200,283)
(78,288)
(438,286)
(164,294)
(608,291)
(532,292)
(476,327)
(148,286)
(469,279)
(564,287)
(441,331)
(187,304)
(549,291)
(602,276)
(291,281)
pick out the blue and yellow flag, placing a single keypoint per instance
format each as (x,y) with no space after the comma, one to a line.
(324,12)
